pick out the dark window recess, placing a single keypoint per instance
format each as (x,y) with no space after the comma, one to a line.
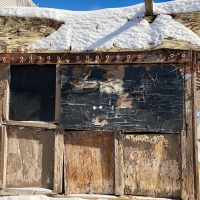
(32,93)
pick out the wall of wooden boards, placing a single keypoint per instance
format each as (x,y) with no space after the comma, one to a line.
(152,165)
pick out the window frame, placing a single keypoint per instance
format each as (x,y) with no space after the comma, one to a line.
(39,124)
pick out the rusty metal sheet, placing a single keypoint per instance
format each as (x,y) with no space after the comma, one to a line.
(157,56)
(152,165)
(89,162)
(141,98)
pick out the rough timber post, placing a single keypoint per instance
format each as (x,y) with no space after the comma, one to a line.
(189,151)
(148,7)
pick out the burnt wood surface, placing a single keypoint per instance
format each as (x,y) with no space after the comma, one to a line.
(138,98)
(142,98)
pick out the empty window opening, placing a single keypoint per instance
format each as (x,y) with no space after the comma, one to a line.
(32,93)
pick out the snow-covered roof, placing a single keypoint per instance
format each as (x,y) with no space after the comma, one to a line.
(125,27)
(23,3)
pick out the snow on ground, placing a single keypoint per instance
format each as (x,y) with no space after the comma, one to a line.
(43,197)
(123,27)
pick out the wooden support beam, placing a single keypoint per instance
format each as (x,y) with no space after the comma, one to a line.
(58,94)
(119,164)
(3,157)
(58,161)
(189,151)
(148,7)
(195,129)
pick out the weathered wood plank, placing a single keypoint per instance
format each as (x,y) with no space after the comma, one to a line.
(149,7)
(119,165)
(4,77)
(24,191)
(189,148)
(152,165)
(58,94)
(30,157)
(4,147)
(89,162)
(32,124)
(58,161)
(195,141)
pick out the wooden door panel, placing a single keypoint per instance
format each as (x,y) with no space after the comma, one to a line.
(152,165)
(89,162)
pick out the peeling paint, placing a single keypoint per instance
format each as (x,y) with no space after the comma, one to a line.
(123,102)
(112,87)
(98,123)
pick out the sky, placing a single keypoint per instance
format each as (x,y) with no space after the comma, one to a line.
(81,5)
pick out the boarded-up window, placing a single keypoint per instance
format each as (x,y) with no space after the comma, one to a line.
(32,93)
(142,98)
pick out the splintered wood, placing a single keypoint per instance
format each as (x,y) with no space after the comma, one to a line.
(89,162)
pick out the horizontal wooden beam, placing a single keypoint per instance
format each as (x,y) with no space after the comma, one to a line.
(158,56)
(32,124)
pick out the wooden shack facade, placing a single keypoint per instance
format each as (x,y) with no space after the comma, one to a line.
(111,122)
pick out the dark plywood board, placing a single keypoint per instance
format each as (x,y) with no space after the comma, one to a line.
(141,98)
(89,162)
(152,165)
(30,157)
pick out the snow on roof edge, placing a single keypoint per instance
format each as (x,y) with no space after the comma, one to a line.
(122,27)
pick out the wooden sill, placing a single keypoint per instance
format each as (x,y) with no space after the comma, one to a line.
(32,124)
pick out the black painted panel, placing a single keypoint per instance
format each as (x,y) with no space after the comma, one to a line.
(145,98)
(32,93)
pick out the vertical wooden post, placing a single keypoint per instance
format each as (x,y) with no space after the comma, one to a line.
(195,128)
(58,94)
(189,151)
(119,164)
(3,157)
(149,7)
(58,161)
(5,110)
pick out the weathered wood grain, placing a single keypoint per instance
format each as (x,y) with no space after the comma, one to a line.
(58,161)
(189,149)
(119,165)
(148,7)
(4,77)
(89,162)
(38,124)
(30,157)
(152,165)
(4,148)
(58,94)
(141,98)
